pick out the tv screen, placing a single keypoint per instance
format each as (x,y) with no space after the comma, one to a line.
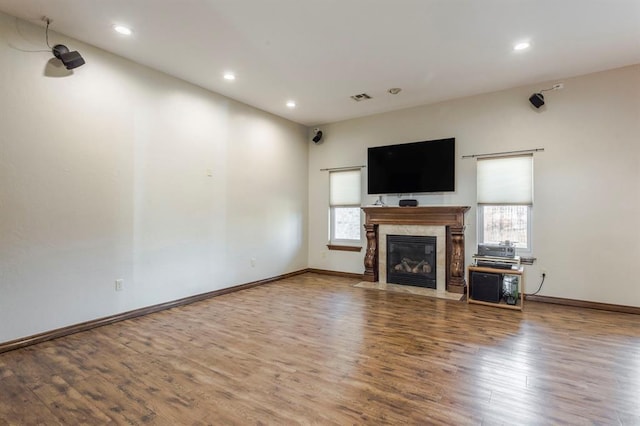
(410,168)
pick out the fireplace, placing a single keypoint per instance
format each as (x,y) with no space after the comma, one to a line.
(411,260)
(448,218)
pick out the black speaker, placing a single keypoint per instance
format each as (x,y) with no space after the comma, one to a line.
(70,60)
(485,287)
(537,100)
(408,203)
(318,136)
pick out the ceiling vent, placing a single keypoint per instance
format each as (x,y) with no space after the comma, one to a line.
(360,97)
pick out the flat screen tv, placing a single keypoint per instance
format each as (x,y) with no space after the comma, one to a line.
(411,168)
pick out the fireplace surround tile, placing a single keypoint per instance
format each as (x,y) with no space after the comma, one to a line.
(418,230)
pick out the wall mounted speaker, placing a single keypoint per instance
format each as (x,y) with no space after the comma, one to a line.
(537,100)
(70,60)
(318,136)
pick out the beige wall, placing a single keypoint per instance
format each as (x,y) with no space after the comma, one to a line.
(119,171)
(587,180)
(122,172)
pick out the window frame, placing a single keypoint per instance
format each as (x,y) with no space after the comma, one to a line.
(507,181)
(342,243)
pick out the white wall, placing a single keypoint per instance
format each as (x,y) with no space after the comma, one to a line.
(587,180)
(104,174)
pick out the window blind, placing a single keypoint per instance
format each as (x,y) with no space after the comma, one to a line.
(505,180)
(344,188)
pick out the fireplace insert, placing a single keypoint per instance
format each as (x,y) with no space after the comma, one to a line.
(411,260)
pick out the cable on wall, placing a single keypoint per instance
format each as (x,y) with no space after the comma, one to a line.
(539,288)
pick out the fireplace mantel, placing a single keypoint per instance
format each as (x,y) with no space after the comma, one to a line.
(451,217)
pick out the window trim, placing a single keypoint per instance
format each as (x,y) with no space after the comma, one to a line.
(352,199)
(341,247)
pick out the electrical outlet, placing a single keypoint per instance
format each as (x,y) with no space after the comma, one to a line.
(253,262)
(119,285)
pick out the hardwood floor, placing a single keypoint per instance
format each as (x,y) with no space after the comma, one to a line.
(312,349)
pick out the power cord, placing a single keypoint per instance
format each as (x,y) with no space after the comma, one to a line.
(539,288)
(48,21)
(46,32)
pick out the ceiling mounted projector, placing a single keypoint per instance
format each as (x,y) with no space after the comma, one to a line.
(70,60)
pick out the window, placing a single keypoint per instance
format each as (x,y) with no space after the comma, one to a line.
(505,200)
(505,223)
(344,207)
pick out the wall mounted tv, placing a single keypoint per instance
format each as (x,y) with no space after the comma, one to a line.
(411,168)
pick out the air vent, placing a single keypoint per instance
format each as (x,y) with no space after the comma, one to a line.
(360,97)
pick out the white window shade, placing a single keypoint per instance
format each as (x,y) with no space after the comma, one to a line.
(505,180)
(344,188)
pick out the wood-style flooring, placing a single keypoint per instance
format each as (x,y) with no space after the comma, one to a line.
(313,349)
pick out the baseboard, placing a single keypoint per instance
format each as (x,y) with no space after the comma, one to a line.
(88,325)
(76,328)
(584,304)
(337,273)
(542,299)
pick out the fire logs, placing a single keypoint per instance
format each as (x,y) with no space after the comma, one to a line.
(413,266)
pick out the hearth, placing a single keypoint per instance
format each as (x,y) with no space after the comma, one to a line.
(411,260)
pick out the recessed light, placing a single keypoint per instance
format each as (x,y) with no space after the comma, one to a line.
(229,76)
(291,104)
(522,46)
(121,29)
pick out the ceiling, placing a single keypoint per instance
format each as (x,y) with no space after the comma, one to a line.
(320,52)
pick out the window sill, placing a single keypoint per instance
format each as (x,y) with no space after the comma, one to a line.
(343,248)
